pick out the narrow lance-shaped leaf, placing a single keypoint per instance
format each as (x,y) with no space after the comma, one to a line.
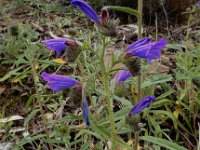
(123,9)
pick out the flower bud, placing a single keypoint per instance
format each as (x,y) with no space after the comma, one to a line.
(133,64)
(107,26)
(133,120)
(73,51)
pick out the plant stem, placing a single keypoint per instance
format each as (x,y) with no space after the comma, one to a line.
(140,3)
(36,81)
(136,140)
(108,97)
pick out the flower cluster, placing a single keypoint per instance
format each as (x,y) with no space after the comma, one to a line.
(142,48)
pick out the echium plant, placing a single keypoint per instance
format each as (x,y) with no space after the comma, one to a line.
(141,49)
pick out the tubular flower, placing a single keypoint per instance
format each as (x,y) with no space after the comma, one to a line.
(122,76)
(58,45)
(142,104)
(58,82)
(143,49)
(87,10)
(85,110)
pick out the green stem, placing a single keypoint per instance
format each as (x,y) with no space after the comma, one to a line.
(136,140)
(105,76)
(36,81)
(140,3)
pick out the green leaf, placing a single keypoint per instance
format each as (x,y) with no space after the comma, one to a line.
(160,103)
(52,141)
(30,116)
(171,116)
(164,95)
(86,145)
(8,75)
(163,143)
(106,134)
(175,46)
(123,9)
(123,100)
(161,79)
(27,140)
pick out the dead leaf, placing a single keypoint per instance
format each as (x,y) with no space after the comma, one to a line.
(13,118)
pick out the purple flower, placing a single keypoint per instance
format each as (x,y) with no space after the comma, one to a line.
(142,104)
(198,4)
(85,110)
(58,45)
(87,10)
(143,49)
(122,76)
(139,42)
(58,82)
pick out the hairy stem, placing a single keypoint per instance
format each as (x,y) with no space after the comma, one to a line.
(36,81)
(105,76)
(136,142)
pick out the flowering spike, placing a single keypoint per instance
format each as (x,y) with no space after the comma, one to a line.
(142,104)
(58,82)
(57,45)
(148,51)
(87,10)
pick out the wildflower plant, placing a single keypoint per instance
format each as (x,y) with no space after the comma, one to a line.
(101,115)
(143,48)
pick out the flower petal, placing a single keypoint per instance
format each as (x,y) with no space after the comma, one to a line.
(87,10)
(154,51)
(140,42)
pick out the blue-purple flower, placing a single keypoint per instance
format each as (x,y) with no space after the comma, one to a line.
(59,82)
(87,10)
(58,45)
(85,110)
(122,76)
(198,4)
(142,104)
(143,49)
(139,42)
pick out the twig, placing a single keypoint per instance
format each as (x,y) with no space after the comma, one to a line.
(179,30)
(166,17)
